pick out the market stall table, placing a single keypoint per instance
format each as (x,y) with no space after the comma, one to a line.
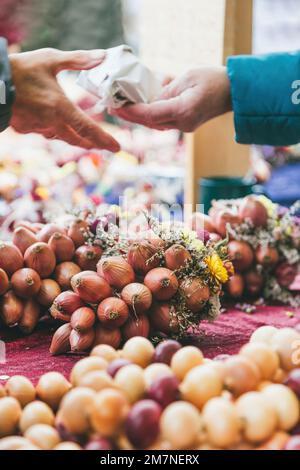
(30,357)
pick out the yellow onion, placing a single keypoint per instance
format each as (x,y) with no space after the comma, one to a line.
(83,341)
(116,271)
(235,286)
(23,238)
(47,231)
(11,308)
(62,246)
(30,317)
(26,282)
(77,231)
(60,343)
(11,258)
(137,296)
(64,272)
(141,256)
(267,256)
(65,304)
(112,312)
(176,257)
(83,319)
(87,257)
(136,327)
(195,292)
(41,258)
(163,318)
(91,287)
(4,282)
(48,292)
(162,282)
(241,254)
(111,337)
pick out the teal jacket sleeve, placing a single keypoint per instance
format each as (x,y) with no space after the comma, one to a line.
(265,94)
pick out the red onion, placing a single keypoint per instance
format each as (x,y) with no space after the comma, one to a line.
(285,274)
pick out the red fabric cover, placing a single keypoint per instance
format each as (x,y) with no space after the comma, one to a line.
(29,356)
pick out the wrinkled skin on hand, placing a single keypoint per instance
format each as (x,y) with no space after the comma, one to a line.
(41,105)
(185,103)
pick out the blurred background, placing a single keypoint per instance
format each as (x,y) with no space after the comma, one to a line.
(40,177)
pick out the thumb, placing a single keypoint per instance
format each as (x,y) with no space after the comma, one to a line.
(78,60)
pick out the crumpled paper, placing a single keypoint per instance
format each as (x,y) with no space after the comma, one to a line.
(120,79)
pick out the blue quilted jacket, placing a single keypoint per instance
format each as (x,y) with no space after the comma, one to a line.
(266,98)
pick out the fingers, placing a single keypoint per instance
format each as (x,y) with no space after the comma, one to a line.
(151,115)
(77,60)
(86,128)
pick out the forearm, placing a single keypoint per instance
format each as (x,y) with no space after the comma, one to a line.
(6,87)
(265,99)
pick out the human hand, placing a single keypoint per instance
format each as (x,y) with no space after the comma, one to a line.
(41,105)
(185,103)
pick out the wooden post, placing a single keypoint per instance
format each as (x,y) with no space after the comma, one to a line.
(177,35)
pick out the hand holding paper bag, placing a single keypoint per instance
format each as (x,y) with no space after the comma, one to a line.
(121,79)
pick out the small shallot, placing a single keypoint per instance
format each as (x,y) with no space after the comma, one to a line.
(142,256)
(162,282)
(112,312)
(87,257)
(195,292)
(64,305)
(78,231)
(11,258)
(11,308)
(163,318)
(91,287)
(26,282)
(4,282)
(62,246)
(176,257)
(83,319)
(23,238)
(80,342)
(136,327)
(116,270)
(60,343)
(137,296)
(41,258)
(30,317)
(64,272)
(105,336)
(47,231)
(48,292)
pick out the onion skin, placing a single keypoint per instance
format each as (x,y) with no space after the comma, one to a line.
(64,272)
(112,312)
(26,283)
(11,308)
(64,305)
(163,320)
(90,287)
(47,231)
(80,342)
(195,292)
(251,208)
(137,296)
(176,257)
(40,258)
(285,274)
(4,282)
(87,257)
(83,319)
(116,271)
(235,286)
(267,256)
(254,283)
(241,255)
(162,283)
(48,292)
(62,246)
(30,317)
(136,327)
(23,238)
(139,255)
(105,336)
(77,230)
(11,258)
(60,343)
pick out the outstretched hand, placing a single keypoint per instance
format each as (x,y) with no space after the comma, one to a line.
(41,105)
(186,102)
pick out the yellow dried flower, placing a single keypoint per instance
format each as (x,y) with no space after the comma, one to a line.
(217,268)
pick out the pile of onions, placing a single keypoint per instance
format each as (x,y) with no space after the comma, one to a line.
(253,264)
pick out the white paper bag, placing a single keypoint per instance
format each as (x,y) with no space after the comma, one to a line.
(121,79)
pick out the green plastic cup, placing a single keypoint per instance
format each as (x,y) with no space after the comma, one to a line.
(223,187)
